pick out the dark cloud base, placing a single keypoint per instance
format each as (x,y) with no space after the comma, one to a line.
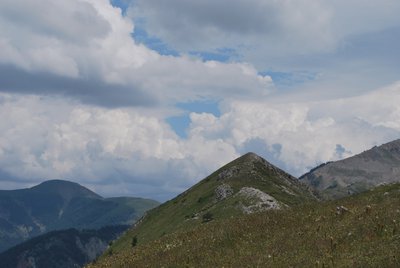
(89,91)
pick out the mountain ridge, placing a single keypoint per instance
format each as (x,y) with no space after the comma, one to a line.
(68,248)
(58,204)
(380,164)
(246,185)
(351,232)
(67,189)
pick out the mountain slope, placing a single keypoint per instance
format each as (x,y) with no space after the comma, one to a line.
(55,205)
(357,173)
(62,249)
(358,231)
(247,184)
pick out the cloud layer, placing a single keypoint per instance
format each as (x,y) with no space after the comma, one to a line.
(290,27)
(88,53)
(105,147)
(81,99)
(188,25)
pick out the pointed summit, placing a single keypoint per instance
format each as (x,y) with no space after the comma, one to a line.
(250,157)
(247,184)
(253,169)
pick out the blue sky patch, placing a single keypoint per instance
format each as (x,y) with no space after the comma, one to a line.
(289,79)
(181,123)
(206,106)
(122,4)
(220,54)
(141,36)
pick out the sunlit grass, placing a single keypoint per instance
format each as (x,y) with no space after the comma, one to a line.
(364,234)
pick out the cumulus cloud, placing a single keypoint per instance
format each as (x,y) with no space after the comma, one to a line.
(299,135)
(123,151)
(84,49)
(48,138)
(81,100)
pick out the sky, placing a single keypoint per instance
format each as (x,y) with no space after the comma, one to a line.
(147,97)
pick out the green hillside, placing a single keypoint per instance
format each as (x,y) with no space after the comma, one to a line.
(244,186)
(358,231)
(69,248)
(57,204)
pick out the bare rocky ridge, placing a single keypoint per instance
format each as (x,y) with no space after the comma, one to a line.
(358,173)
(260,200)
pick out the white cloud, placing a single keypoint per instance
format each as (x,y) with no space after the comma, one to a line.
(105,148)
(88,45)
(307,133)
(344,45)
(82,51)
(48,138)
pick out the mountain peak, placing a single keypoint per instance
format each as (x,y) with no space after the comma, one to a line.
(66,189)
(246,185)
(250,156)
(59,204)
(251,159)
(358,173)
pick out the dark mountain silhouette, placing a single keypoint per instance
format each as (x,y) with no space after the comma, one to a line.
(57,204)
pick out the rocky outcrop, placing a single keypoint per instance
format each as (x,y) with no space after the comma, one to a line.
(223,191)
(257,200)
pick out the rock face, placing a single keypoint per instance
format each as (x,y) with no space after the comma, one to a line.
(223,191)
(357,173)
(259,201)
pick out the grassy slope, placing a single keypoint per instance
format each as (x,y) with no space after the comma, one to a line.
(310,235)
(138,205)
(59,248)
(186,210)
(80,207)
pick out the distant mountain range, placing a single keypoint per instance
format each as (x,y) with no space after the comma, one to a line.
(56,205)
(62,249)
(357,173)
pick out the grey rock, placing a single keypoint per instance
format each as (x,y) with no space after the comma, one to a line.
(358,173)
(223,191)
